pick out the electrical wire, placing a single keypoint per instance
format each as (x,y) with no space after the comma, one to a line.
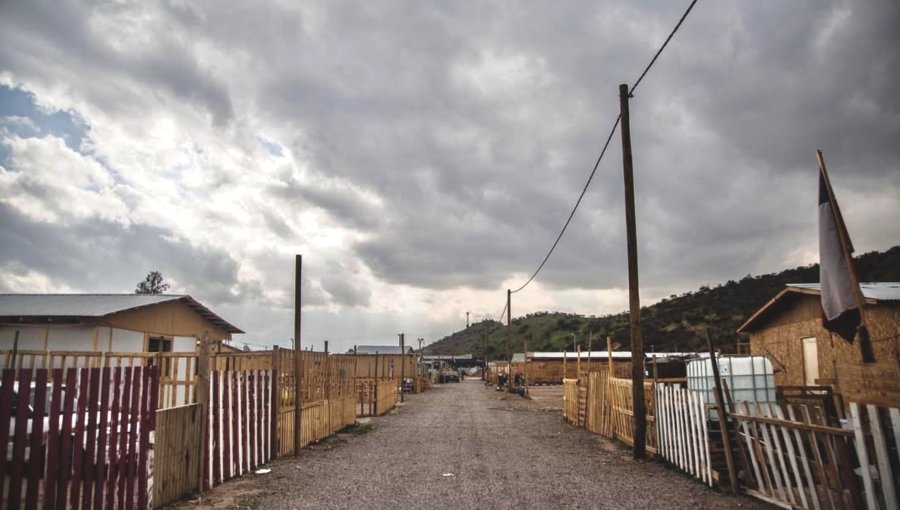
(577,203)
(603,152)
(661,48)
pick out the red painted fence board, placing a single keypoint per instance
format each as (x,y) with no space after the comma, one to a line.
(18,453)
(6,395)
(77,437)
(36,459)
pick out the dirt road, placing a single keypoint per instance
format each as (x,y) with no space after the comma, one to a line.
(464,446)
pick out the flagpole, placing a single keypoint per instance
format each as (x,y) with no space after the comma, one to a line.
(865,342)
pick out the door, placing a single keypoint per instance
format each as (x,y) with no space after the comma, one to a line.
(810,361)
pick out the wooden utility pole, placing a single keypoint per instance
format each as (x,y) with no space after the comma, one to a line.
(402,366)
(639,419)
(298,402)
(508,339)
(865,342)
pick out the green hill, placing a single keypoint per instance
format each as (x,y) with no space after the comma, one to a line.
(674,324)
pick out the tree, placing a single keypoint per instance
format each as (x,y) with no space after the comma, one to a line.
(152,284)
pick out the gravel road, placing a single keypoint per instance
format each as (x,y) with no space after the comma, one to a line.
(465,445)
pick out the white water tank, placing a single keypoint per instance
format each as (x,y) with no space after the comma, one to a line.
(749,379)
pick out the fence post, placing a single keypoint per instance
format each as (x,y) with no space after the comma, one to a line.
(375,388)
(723,416)
(202,399)
(275,441)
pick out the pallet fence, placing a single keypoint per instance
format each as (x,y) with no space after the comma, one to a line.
(877,430)
(570,400)
(795,460)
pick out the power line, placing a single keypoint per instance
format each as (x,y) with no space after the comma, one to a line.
(661,48)
(577,203)
(605,146)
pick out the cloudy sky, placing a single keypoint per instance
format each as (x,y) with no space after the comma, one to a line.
(422,157)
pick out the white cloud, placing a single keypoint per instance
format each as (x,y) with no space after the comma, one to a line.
(427,154)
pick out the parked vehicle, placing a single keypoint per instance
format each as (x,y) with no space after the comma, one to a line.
(449,376)
(32,415)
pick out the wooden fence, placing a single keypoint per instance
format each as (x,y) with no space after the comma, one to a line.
(570,400)
(790,455)
(683,437)
(603,405)
(376,397)
(176,462)
(251,401)
(324,418)
(795,460)
(598,415)
(387,396)
(877,429)
(177,370)
(239,438)
(622,411)
(95,452)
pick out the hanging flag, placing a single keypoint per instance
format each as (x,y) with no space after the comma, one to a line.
(840,313)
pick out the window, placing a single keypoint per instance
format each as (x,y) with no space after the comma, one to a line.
(159,344)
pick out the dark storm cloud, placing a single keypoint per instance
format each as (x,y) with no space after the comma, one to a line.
(455,137)
(346,205)
(100,256)
(58,34)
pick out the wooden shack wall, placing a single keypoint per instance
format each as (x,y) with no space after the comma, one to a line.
(780,336)
(172,318)
(554,371)
(366,365)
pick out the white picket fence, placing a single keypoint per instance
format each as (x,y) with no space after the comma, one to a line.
(682,430)
(870,425)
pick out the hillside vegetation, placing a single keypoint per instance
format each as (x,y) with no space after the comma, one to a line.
(674,324)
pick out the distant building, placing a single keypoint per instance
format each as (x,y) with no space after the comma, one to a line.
(788,330)
(381,349)
(553,367)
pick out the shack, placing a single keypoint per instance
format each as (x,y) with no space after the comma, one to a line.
(383,361)
(788,330)
(553,367)
(108,322)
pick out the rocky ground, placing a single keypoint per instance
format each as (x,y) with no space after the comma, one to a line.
(463,446)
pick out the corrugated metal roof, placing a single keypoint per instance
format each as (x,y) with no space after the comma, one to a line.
(604,355)
(96,305)
(452,357)
(874,291)
(380,349)
(879,291)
